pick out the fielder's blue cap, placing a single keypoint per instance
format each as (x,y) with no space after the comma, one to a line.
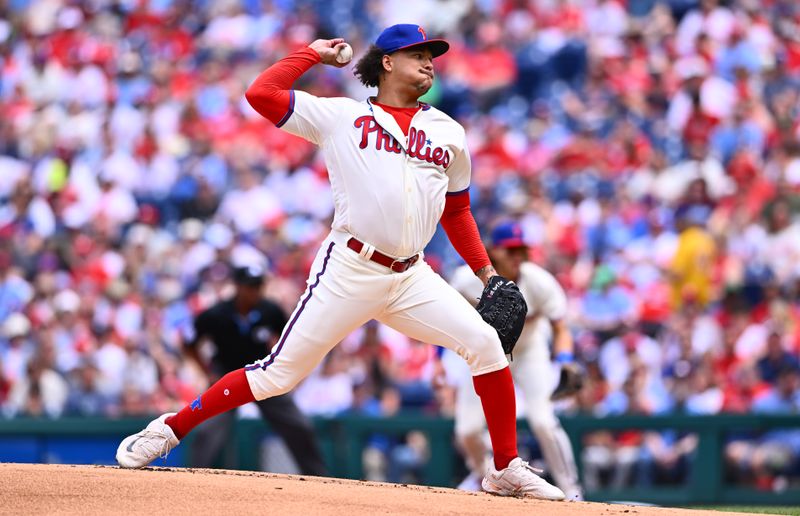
(406,35)
(508,234)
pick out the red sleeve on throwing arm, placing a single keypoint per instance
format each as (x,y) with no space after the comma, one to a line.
(269,94)
(461,229)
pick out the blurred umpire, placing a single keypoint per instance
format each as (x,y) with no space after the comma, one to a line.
(242,330)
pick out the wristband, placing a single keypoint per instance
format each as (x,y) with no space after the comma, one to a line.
(565,357)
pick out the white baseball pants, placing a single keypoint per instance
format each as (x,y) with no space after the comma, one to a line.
(345,290)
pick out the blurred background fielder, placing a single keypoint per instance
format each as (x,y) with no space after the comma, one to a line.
(531,366)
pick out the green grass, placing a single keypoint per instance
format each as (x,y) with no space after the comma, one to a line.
(791,511)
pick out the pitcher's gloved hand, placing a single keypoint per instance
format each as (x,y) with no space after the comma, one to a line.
(503,307)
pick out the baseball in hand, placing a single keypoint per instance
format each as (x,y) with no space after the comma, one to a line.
(345,54)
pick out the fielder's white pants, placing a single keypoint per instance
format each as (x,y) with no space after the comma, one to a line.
(345,290)
(535,378)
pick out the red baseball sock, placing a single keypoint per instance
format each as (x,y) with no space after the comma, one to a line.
(231,391)
(496,390)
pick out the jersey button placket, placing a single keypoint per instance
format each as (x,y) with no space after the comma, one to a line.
(406,205)
(410,205)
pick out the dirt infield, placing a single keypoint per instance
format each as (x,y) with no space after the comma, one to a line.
(88,490)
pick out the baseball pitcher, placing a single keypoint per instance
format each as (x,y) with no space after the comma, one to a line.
(397,167)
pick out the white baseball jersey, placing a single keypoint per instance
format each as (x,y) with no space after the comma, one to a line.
(389,192)
(370,161)
(545,298)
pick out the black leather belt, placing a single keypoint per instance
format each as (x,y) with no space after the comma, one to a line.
(387,261)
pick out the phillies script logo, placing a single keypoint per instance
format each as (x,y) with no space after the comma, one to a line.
(419,146)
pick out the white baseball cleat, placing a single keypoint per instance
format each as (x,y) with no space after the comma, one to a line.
(139,450)
(519,479)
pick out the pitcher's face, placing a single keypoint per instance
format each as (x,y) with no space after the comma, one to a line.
(412,68)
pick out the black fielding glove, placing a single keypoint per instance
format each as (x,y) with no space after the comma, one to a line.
(570,382)
(503,308)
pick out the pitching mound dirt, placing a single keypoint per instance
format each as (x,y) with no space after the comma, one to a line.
(89,490)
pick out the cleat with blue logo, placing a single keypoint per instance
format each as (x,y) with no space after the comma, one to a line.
(139,450)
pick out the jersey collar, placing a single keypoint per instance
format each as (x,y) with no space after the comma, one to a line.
(388,122)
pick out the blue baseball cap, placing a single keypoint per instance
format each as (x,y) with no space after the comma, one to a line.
(508,235)
(406,35)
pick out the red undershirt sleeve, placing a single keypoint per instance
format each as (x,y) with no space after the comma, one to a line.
(461,229)
(269,94)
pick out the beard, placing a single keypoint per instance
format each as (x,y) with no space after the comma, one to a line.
(423,86)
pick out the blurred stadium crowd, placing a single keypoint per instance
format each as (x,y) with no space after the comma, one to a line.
(649,148)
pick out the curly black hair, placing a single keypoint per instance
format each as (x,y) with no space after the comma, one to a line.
(369,68)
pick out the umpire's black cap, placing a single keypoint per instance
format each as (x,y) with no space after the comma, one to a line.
(252,275)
